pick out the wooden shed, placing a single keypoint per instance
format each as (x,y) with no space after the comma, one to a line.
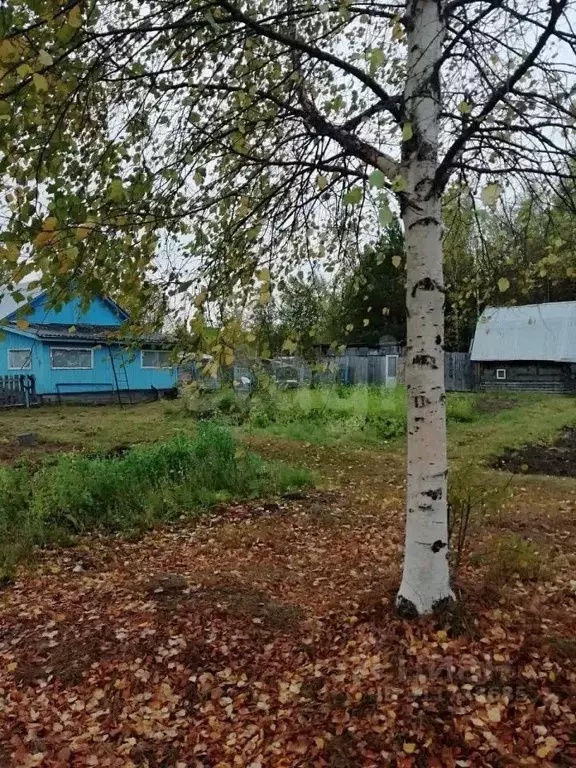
(526,348)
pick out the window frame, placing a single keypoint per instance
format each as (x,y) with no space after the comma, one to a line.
(154,367)
(70,367)
(20,349)
(499,371)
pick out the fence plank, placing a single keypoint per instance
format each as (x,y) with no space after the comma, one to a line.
(17,390)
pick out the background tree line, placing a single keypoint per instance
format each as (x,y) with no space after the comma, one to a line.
(522,251)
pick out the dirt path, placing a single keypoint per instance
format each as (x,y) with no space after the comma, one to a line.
(264,636)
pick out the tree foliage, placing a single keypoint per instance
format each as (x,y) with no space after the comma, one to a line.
(256,133)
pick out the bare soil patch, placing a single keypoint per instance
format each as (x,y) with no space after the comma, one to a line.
(557,458)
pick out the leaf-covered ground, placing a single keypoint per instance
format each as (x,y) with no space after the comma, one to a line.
(264,636)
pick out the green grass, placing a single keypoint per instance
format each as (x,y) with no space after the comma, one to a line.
(510,422)
(145,486)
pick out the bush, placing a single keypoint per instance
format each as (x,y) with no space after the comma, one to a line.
(472,498)
(145,485)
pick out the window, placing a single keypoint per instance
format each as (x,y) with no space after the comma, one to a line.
(501,374)
(20,359)
(156,358)
(71,357)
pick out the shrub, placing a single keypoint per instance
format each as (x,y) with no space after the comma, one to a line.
(471,498)
(137,489)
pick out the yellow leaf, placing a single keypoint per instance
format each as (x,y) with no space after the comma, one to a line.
(396,261)
(503,284)
(409,747)
(349,328)
(549,746)
(407,132)
(365,322)
(263,275)
(50,224)
(84,230)
(22,324)
(40,82)
(43,238)
(494,714)
(9,51)
(200,299)
(75,17)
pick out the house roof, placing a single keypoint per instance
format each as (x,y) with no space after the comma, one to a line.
(536,332)
(8,305)
(83,332)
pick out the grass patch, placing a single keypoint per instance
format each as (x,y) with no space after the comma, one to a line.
(138,489)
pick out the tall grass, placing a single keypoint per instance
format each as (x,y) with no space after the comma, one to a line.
(362,413)
(147,485)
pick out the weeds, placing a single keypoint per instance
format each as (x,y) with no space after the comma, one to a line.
(362,413)
(138,489)
(512,557)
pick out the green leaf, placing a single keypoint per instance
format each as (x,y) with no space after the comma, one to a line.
(116,191)
(377,179)
(353,196)
(503,284)
(407,132)
(40,82)
(44,58)
(396,261)
(465,107)
(491,193)
(377,59)
(399,184)
(322,182)
(349,328)
(385,215)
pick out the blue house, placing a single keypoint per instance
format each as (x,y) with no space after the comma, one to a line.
(76,354)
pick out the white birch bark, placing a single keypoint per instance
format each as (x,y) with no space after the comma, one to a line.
(426,581)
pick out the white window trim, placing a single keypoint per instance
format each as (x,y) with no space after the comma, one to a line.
(67,367)
(500,371)
(153,367)
(20,349)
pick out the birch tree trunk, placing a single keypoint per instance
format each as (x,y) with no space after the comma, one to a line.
(426,580)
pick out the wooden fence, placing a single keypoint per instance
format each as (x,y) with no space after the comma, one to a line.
(17,390)
(458,372)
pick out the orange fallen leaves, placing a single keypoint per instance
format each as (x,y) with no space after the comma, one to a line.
(98,669)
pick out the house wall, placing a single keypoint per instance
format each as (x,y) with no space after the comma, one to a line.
(558,378)
(99,312)
(99,379)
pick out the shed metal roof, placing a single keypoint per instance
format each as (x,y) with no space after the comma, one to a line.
(536,332)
